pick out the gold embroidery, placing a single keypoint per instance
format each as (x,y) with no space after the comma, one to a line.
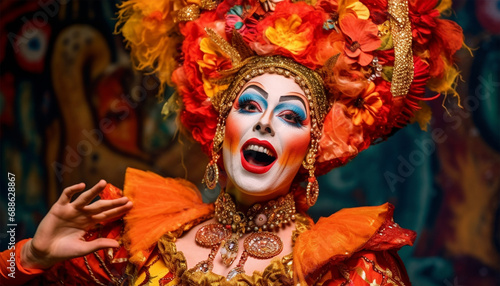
(363,276)
(387,274)
(188,13)
(231,52)
(91,272)
(241,46)
(402,75)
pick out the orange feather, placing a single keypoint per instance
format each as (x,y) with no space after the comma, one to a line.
(161,205)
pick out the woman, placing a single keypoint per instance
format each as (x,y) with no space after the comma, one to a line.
(276,93)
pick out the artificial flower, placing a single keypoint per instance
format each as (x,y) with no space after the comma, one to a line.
(234,18)
(338,10)
(365,107)
(332,46)
(292,31)
(378,10)
(340,137)
(353,7)
(423,19)
(361,39)
(214,60)
(349,33)
(237,20)
(198,115)
(286,34)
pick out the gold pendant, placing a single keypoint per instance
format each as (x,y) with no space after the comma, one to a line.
(211,177)
(210,235)
(263,245)
(229,250)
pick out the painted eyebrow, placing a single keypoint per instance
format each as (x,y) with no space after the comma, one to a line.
(293,97)
(258,88)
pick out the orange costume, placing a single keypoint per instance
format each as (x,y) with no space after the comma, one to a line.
(351,247)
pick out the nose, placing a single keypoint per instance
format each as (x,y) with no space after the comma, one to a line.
(263,128)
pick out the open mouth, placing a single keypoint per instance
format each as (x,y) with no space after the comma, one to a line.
(257,156)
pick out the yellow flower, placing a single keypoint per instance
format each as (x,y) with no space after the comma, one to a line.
(214,60)
(212,89)
(359,9)
(285,34)
(213,57)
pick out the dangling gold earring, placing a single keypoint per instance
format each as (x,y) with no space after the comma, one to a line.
(211,177)
(312,191)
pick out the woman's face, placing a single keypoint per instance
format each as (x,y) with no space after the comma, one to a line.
(267,135)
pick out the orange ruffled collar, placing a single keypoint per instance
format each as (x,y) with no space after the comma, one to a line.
(161,205)
(336,238)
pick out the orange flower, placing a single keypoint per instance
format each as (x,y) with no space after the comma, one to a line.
(365,107)
(361,39)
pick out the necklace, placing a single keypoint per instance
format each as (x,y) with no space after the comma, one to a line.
(259,220)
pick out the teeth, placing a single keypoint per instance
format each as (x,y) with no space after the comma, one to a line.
(260,149)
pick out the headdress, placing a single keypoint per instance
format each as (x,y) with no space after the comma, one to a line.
(366,62)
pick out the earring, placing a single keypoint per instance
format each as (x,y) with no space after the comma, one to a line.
(211,177)
(312,191)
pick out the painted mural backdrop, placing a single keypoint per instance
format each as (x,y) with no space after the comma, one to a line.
(72,109)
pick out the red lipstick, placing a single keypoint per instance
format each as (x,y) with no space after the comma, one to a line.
(252,164)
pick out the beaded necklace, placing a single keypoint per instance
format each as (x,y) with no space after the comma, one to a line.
(260,220)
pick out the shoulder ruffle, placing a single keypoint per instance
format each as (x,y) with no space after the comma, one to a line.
(344,233)
(161,205)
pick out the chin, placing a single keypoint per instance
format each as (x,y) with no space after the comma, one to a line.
(273,181)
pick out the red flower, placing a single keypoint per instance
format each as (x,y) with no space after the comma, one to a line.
(423,17)
(378,10)
(361,39)
(198,115)
(410,102)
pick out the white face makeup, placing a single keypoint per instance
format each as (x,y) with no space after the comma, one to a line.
(267,135)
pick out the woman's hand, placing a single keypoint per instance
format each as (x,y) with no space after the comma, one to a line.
(60,234)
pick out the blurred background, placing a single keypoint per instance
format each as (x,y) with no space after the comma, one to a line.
(73,110)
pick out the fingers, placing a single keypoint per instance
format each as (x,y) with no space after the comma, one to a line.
(94,245)
(113,212)
(104,205)
(70,191)
(86,197)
